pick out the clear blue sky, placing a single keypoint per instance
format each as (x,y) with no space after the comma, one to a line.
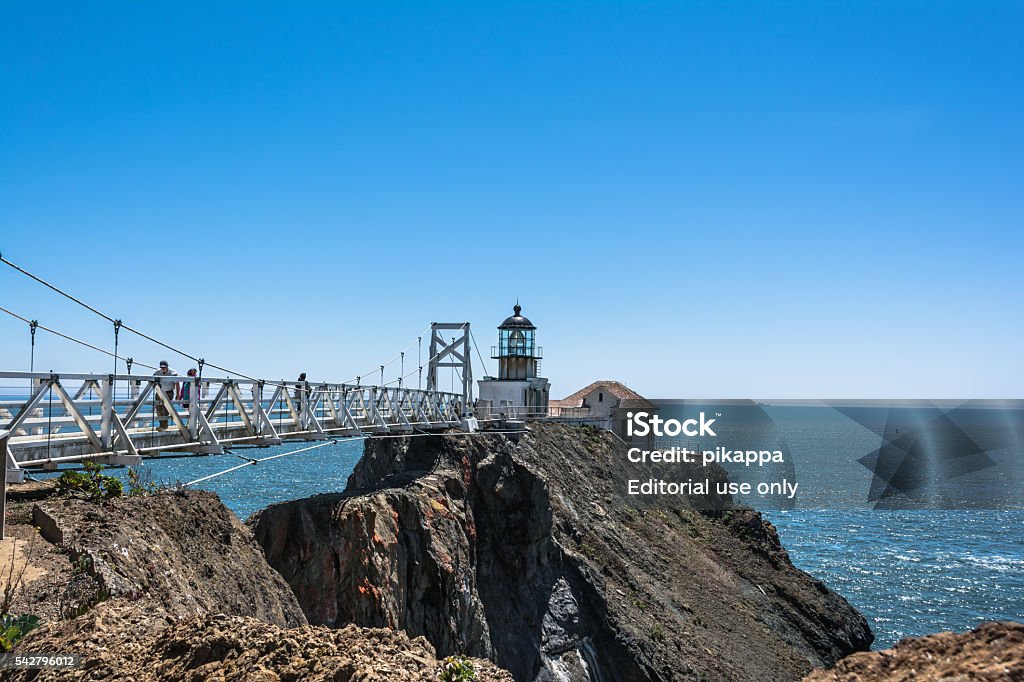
(700,199)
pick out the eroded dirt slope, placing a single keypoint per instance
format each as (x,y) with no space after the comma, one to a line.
(125,640)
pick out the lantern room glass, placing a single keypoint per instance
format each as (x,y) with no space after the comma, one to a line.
(516,343)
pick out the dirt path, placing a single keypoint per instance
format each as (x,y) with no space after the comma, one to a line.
(14,561)
(37,571)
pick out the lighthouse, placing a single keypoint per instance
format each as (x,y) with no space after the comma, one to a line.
(518,390)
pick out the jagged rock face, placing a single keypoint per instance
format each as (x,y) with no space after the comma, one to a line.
(528,554)
(546,617)
(186,553)
(990,652)
(397,558)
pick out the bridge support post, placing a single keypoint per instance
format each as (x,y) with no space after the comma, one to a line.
(107,409)
(15,474)
(194,407)
(3,489)
(454,354)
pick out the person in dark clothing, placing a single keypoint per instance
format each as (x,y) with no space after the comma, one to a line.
(169,386)
(301,392)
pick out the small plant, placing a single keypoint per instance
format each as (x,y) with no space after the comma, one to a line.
(96,486)
(456,669)
(73,606)
(658,633)
(83,590)
(140,482)
(83,564)
(73,609)
(13,628)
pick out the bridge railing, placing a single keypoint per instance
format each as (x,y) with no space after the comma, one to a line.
(530,412)
(54,418)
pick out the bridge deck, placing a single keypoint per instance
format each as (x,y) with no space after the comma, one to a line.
(66,418)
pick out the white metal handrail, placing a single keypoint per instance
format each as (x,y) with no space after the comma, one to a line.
(67,417)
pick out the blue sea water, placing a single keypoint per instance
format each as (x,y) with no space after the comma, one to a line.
(913,572)
(252,488)
(915,514)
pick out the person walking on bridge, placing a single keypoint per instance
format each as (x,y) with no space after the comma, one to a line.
(301,394)
(186,389)
(170,388)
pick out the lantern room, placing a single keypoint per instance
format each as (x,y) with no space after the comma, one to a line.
(517,353)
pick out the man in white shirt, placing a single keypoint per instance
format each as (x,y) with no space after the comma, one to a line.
(170,388)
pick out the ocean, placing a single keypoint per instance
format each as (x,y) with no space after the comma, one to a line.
(956,558)
(913,572)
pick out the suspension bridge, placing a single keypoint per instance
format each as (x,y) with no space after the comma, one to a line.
(54,420)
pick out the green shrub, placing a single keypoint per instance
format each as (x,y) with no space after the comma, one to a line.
(457,669)
(96,486)
(13,628)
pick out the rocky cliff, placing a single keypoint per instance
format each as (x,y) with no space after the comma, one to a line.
(172,586)
(991,652)
(184,552)
(527,553)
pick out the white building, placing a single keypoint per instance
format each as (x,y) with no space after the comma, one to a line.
(603,403)
(517,391)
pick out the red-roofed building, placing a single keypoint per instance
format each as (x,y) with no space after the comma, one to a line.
(605,403)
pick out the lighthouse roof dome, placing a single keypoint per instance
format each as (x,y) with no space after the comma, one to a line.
(517,321)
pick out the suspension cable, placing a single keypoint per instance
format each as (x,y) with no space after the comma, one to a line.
(117,322)
(399,357)
(251,462)
(59,291)
(420,368)
(118,325)
(113,381)
(347,439)
(483,365)
(32,355)
(65,336)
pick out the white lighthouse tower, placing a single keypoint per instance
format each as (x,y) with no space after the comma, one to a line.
(518,390)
